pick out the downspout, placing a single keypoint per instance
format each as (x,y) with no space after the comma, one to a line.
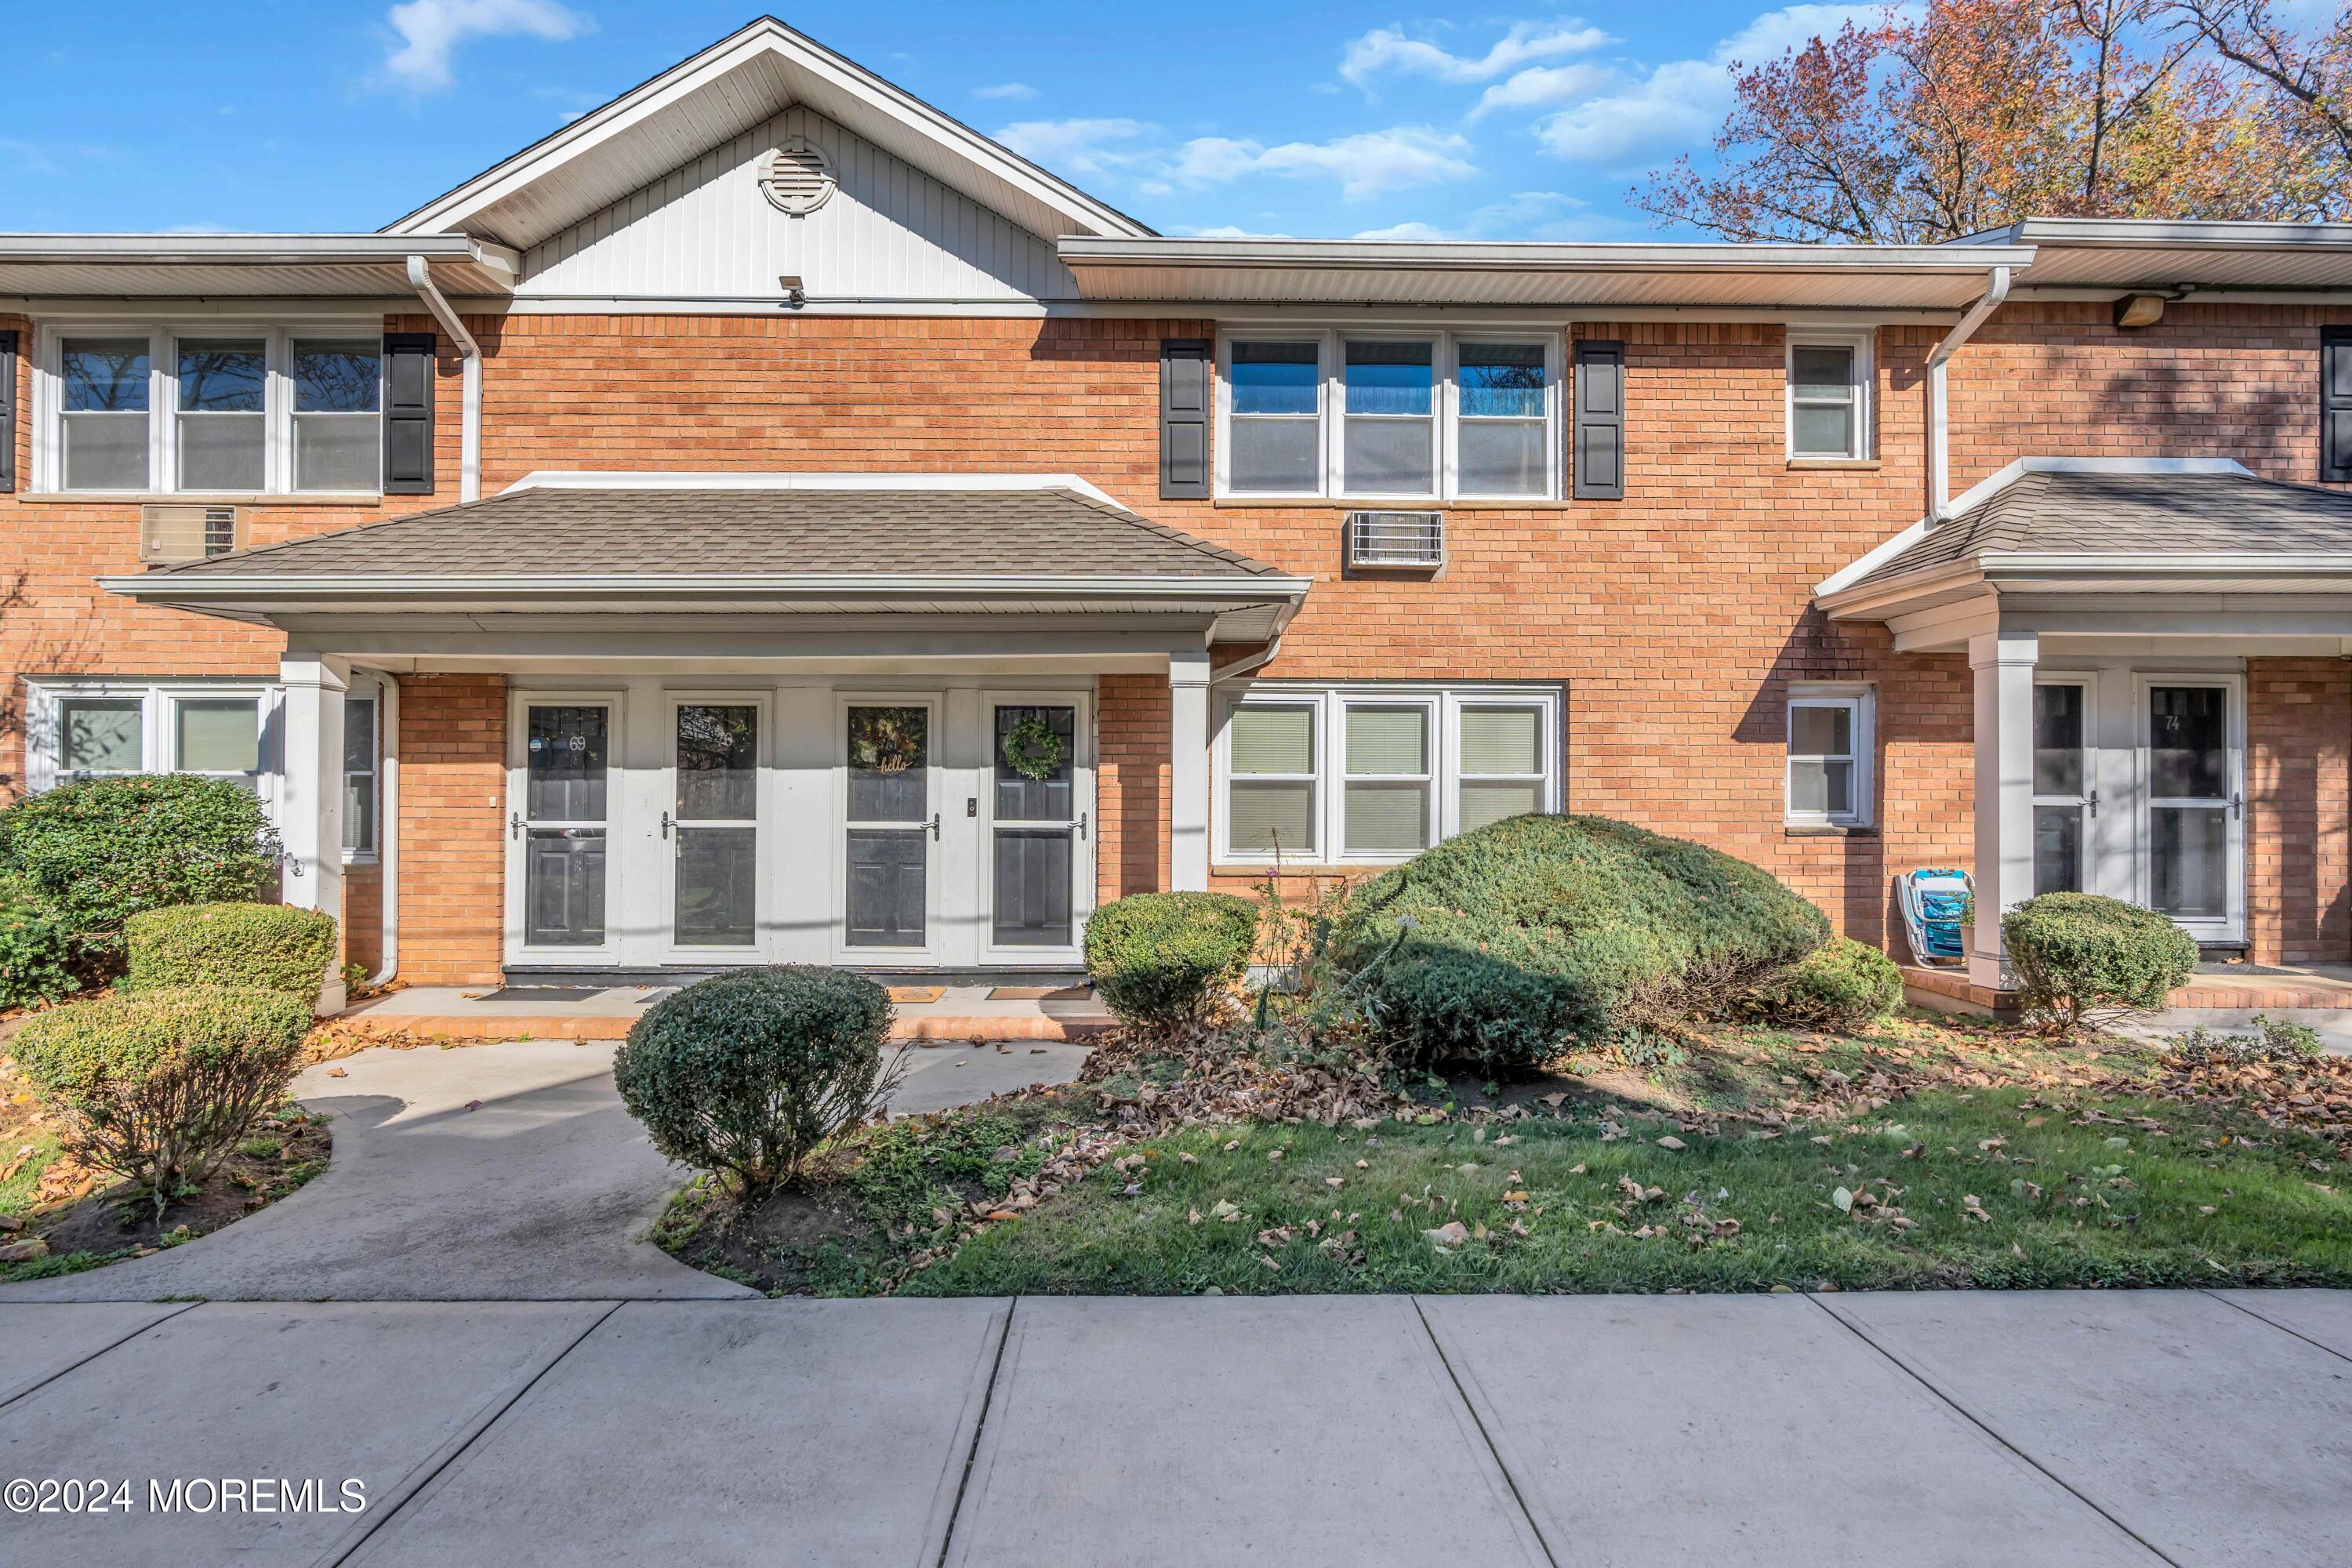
(387,831)
(470,447)
(1940,443)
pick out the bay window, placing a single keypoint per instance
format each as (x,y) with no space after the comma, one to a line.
(1424,417)
(1374,774)
(217,411)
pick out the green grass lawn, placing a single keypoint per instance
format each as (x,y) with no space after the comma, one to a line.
(2055,1204)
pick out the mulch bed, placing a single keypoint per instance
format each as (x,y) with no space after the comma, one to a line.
(111,1220)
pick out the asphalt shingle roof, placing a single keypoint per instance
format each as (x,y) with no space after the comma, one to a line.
(2136,514)
(562,532)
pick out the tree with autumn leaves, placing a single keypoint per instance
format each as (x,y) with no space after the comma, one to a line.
(1933,121)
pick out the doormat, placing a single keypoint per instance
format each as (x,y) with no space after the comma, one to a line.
(917,993)
(1042,993)
(540,993)
(2233,971)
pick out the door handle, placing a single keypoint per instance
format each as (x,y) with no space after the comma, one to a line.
(1082,824)
(667,824)
(514,828)
(935,826)
(2092,802)
(2237,805)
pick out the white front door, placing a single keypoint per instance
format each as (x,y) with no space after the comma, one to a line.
(890,830)
(1036,820)
(2192,822)
(711,827)
(561,871)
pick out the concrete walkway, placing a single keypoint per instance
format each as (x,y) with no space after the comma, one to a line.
(506,1172)
(1967,1428)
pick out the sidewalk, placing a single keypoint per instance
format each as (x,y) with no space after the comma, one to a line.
(2079,1427)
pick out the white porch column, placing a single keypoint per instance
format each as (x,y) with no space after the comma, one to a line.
(2003,662)
(310,802)
(1188,770)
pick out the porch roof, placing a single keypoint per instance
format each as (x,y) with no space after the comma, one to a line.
(2138,527)
(806,542)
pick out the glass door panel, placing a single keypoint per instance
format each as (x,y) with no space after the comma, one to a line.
(715,859)
(2062,798)
(566,764)
(2193,807)
(1034,823)
(891,827)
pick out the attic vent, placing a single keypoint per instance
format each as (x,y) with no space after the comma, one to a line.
(169,534)
(1415,539)
(797,177)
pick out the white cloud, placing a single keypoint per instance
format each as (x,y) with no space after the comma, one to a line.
(1090,149)
(27,158)
(1540,85)
(1388,50)
(1680,104)
(431,30)
(1229,231)
(1548,215)
(1365,165)
(1019,91)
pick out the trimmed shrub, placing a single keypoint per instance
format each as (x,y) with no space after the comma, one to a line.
(268,947)
(37,951)
(1164,961)
(160,1085)
(1496,948)
(102,850)
(749,1071)
(2085,960)
(1842,984)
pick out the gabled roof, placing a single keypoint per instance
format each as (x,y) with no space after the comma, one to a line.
(722,92)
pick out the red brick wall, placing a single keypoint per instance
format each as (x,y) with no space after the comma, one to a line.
(1675,618)
(2299,814)
(453,744)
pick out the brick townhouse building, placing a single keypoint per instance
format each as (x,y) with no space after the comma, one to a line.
(767,520)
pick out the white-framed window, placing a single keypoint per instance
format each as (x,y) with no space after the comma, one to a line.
(361,791)
(1365,413)
(218,408)
(1829,765)
(105,729)
(1829,377)
(1375,774)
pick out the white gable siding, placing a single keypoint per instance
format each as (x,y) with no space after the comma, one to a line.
(705,231)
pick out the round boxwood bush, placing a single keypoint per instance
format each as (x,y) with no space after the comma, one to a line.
(266,946)
(1496,948)
(1842,984)
(160,1085)
(2083,959)
(102,850)
(37,951)
(747,1072)
(1164,961)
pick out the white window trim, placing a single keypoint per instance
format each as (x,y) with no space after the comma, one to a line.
(369,690)
(1446,415)
(1431,778)
(1861,340)
(1330,702)
(1858,699)
(159,733)
(164,400)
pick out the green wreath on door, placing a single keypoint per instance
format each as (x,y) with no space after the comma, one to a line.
(1033,750)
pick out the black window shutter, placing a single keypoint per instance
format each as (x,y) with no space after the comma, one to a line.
(7,411)
(408,413)
(2336,404)
(1184,394)
(1600,445)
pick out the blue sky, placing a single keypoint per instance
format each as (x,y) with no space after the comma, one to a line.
(1310,121)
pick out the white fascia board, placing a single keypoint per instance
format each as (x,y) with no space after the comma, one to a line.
(165,586)
(255,251)
(1984,490)
(700,70)
(645,480)
(1087,250)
